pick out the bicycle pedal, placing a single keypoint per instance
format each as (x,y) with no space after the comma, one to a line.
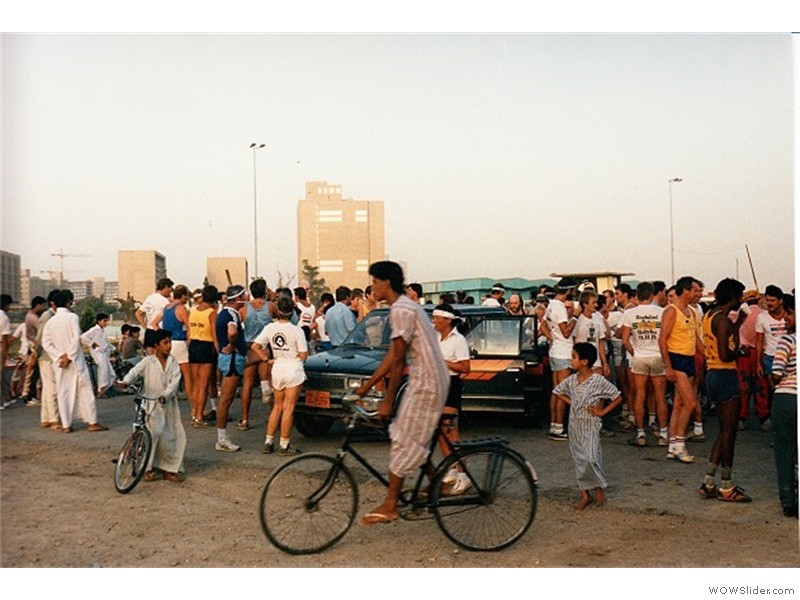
(411,513)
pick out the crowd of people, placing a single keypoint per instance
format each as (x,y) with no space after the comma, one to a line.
(654,358)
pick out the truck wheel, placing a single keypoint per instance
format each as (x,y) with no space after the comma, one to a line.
(313,425)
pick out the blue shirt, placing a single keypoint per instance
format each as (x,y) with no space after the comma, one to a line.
(339,322)
(228,315)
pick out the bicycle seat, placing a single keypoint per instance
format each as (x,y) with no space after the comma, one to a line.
(482,442)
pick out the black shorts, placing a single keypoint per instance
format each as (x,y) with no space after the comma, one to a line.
(682,363)
(454,395)
(202,353)
(722,385)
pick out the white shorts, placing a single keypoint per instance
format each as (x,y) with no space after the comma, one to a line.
(180,351)
(652,366)
(287,374)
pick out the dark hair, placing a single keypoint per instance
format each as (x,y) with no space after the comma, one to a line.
(285,307)
(210,294)
(446,298)
(164,282)
(658,287)
(727,291)
(134,329)
(685,283)
(258,288)
(63,298)
(357,293)
(342,293)
(601,301)
(645,290)
(37,300)
(368,290)
(180,291)
(51,297)
(585,296)
(327,298)
(417,287)
(788,302)
(469,300)
(101,317)
(625,288)
(124,329)
(300,293)
(586,351)
(160,334)
(5,301)
(285,291)
(386,270)
(234,292)
(774,291)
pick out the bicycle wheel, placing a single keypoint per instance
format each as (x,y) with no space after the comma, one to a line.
(308,504)
(132,460)
(18,379)
(498,507)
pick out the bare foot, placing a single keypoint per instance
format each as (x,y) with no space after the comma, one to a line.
(381,514)
(583,502)
(599,497)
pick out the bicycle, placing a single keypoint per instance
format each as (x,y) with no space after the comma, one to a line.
(310,502)
(132,460)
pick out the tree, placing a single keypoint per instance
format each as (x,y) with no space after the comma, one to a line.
(88,308)
(316,283)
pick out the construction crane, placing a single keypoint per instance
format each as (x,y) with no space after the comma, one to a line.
(61,257)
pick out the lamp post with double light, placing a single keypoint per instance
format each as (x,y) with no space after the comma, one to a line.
(671,232)
(255,146)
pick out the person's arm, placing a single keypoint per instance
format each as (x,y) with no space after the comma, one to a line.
(459,366)
(667,323)
(601,347)
(626,339)
(395,377)
(760,353)
(88,338)
(132,375)
(157,321)
(173,378)
(779,363)
(349,321)
(568,327)
(141,317)
(212,322)
(599,411)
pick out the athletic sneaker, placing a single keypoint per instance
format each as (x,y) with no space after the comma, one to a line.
(638,441)
(662,441)
(266,397)
(289,451)
(559,436)
(461,486)
(451,477)
(33,402)
(227,445)
(734,494)
(708,491)
(268,448)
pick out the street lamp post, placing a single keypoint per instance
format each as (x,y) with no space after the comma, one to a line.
(255,146)
(671,232)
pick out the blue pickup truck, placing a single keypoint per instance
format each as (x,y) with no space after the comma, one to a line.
(508,372)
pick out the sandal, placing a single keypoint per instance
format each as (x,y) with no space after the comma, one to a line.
(67,429)
(153,475)
(173,477)
(97,427)
(242,426)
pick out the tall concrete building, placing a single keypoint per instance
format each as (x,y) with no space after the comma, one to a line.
(340,236)
(235,265)
(10,275)
(139,271)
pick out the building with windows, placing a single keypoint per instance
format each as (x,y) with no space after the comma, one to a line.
(139,271)
(340,236)
(10,275)
(236,267)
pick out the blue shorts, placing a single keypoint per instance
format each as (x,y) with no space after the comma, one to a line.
(231,368)
(683,363)
(560,364)
(768,364)
(722,385)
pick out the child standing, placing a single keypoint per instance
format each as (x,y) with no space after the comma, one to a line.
(161,376)
(585,391)
(100,350)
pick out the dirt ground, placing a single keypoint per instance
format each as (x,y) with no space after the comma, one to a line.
(59,507)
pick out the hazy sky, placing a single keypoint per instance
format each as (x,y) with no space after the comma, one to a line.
(495,155)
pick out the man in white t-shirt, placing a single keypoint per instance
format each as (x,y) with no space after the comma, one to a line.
(5,340)
(641,328)
(496,297)
(770,327)
(561,322)
(591,328)
(307,311)
(152,308)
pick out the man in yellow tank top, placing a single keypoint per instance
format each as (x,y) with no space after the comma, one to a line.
(679,341)
(721,337)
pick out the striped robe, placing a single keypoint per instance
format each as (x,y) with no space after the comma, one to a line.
(584,428)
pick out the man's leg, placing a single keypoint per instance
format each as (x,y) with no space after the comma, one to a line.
(683,410)
(387,511)
(229,384)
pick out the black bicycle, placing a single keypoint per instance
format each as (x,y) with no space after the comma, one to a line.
(310,502)
(132,459)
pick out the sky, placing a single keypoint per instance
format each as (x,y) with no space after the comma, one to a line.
(496,155)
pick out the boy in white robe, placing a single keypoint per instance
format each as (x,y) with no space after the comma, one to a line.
(100,349)
(62,341)
(160,375)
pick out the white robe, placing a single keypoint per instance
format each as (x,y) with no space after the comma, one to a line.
(101,356)
(62,335)
(164,420)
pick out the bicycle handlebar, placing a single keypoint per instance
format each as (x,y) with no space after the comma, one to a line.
(137,391)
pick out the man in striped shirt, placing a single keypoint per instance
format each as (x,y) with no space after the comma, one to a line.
(784,411)
(414,344)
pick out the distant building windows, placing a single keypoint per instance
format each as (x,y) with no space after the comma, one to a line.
(362,266)
(330,216)
(331,266)
(362,216)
